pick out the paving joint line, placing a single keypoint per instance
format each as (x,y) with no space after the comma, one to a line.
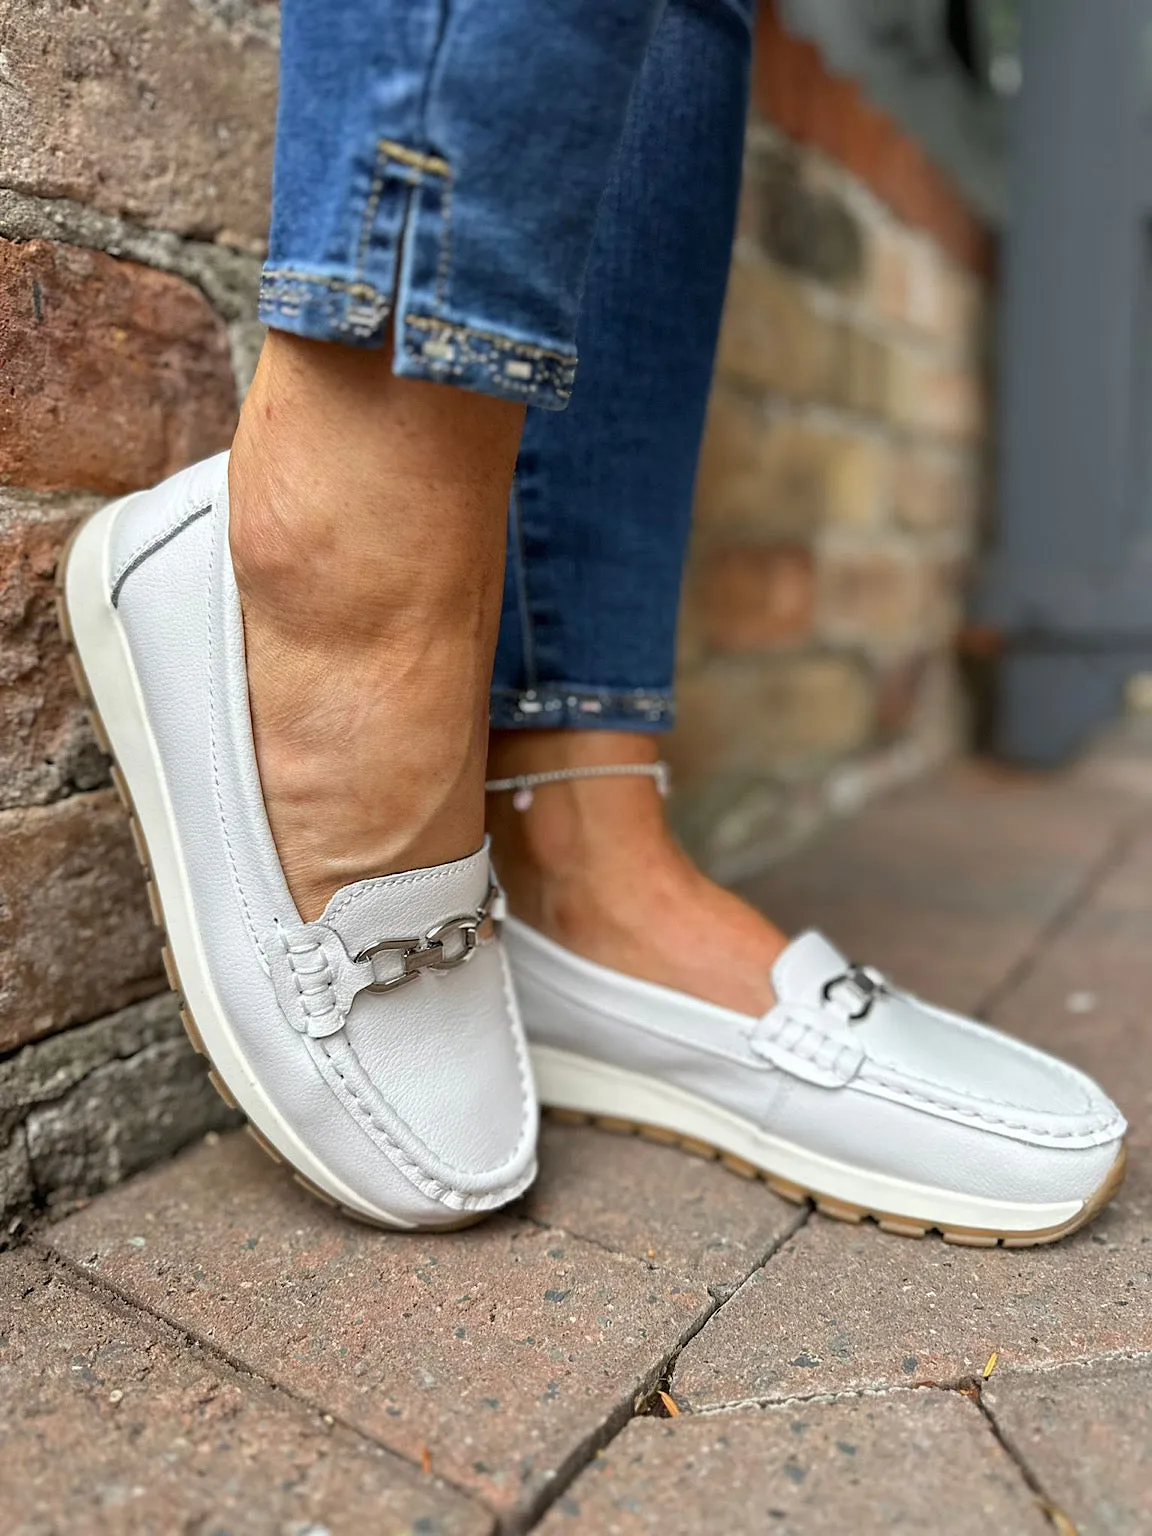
(962,1386)
(618,1420)
(100,1286)
(1109,859)
(584,1237)
(1052,1512)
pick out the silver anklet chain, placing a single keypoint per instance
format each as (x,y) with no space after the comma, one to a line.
(524,785)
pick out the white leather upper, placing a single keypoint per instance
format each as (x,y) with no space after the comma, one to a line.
(906,1089)
(419,1099)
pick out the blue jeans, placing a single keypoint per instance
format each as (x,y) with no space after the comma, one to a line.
(506,185)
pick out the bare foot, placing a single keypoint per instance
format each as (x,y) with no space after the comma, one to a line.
(591,864)
(367,519)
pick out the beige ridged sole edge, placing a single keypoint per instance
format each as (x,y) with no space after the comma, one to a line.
(844,1210)
(140,844)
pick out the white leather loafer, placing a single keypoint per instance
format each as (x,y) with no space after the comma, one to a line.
(377,1050)
(847,1092)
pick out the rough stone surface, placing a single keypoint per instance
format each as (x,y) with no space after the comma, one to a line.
(493,1353)
(916,1461)
(76,936)
(756,598)
(116,375)
(952,884)
(797,219)
(505,1357)
(782,476)
(50,1069)
(113,1425)
(229,279)
(654,1203)
(156,109)
(147,1099)
(46,748)
(935,489)
(773,338)
(740,714)
(82,1110)
(872,595)
(16,1186)
(843,1307)
(1085,1434)
(1088,1001)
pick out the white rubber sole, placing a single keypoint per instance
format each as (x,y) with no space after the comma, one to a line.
(581,1088)
(107,679)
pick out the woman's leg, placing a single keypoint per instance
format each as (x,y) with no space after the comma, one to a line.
(437,176)
(291,648)
(598,533)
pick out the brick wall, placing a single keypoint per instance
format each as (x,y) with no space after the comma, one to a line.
(836,506)
(841,477)
(135,142)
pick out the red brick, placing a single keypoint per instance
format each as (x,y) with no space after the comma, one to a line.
(793,89)
(754,598)
(115,375)
(76,938)
(157,109)
(46,748)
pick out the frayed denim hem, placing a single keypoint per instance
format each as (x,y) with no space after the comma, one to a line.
(564,706)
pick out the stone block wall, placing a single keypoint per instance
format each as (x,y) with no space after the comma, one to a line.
(836,509)
(135,151)
(842,476)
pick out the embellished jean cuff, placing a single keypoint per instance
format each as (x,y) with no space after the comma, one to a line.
(355,313)
(564,706)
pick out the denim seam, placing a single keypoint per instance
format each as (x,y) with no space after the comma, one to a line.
(444,265)
(520,580)
(430,165)
(375,192)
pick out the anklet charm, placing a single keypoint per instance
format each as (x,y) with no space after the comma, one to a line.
(523,786)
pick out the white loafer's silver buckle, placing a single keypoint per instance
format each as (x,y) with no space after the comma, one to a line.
(865,985)
(446,945)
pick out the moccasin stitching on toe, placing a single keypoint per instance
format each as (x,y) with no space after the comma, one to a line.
(379,1050)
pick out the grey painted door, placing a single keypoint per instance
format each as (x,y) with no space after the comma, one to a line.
(1070,580)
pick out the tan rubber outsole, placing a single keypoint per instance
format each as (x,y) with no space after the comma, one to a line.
(140,844)
(843,1210)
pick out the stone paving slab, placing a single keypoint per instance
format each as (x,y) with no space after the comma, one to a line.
(502,1357)
(1091,997)
(951,884)
(113,1426)
(655,1203)
(1085,1432)
(842,1307)
(491,1354)
(915,1461)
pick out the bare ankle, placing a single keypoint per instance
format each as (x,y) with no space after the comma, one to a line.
(593,865)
